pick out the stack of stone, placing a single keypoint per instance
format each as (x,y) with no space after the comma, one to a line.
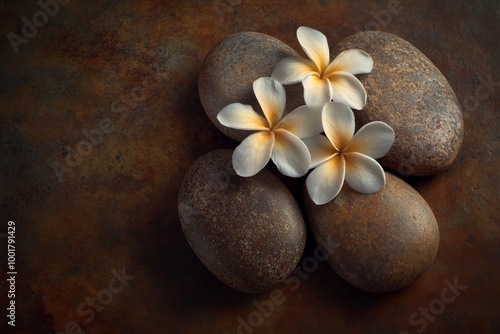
(251,232)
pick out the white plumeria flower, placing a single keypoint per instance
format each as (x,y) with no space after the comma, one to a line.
(345,155)
(276,138)
(324,80)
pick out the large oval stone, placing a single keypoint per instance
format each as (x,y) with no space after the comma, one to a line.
(378,242)
(231,67)
(408,92)
(249,232)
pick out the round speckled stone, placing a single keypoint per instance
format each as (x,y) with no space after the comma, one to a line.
(231,67)
(379,242)
(249,232)
(408,92)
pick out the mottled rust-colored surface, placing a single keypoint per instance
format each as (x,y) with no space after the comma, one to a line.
(127,74)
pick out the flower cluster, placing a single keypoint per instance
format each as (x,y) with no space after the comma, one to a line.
(295,142)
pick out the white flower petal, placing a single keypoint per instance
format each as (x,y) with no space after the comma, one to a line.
(373,139)
(338,123)
(320,149)
(315,46)
(317,91)
(272,97)
(254,152)
(290,154)
(346,88)
(242,117)
(325,182)
(354,61)
(363,174)
(292,70)
(304,122)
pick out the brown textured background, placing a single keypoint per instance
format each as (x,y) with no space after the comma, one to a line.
(118,207)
